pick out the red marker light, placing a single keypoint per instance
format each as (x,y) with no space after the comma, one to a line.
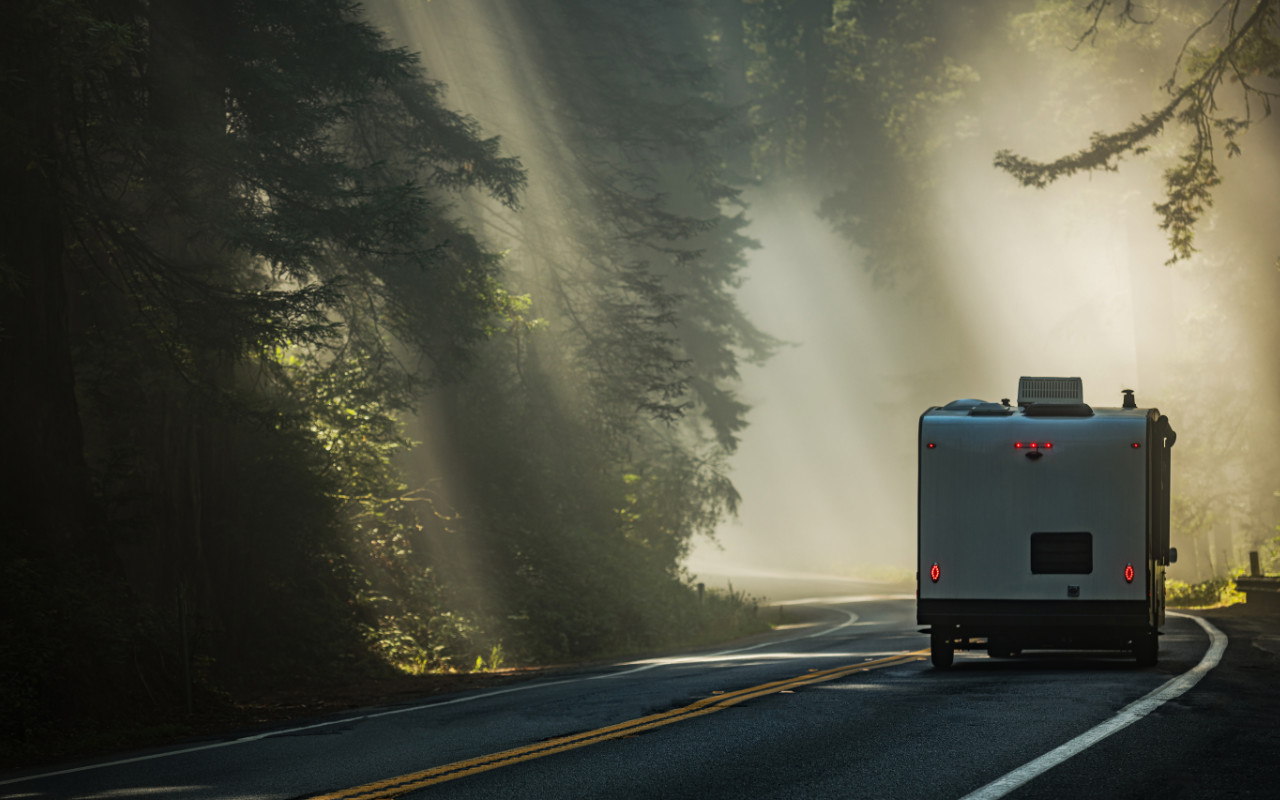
(934,572)
(1033,445)
(1136,445)
(1018,445)
(1128,573)
(932,445)
(1048,445)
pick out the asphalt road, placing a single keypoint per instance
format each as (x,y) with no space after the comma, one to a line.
(841,703)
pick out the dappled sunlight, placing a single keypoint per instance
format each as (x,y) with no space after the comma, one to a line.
(480,54)
(142,791)
(847,686)
(566,475)
(840,600)
(746,659)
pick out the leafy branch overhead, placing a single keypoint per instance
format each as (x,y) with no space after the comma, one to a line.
(1245,52)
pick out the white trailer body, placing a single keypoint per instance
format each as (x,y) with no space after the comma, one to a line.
(1043,525)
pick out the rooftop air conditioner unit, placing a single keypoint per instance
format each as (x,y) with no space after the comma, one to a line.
(1050,390)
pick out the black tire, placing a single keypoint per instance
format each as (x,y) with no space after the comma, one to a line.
(942,651)
(1003,651)
(1146,648)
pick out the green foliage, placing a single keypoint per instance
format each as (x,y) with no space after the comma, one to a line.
(1270,553)
(647,305)
(262,274)
(584,450)
(1211,593)
(497,658)
(1244,53)
(253,210)
(1189,189)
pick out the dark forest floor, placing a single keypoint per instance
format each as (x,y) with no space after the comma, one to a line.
(243,714)
(248,711)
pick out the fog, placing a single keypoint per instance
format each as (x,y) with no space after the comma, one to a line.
(828,467)
(1066,281)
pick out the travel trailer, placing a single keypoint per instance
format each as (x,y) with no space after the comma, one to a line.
(1043,524)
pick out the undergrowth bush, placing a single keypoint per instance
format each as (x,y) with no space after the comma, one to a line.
(1211,593)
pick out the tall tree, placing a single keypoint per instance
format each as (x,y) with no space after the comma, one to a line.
(233,265)
(1233,48)
(569,438)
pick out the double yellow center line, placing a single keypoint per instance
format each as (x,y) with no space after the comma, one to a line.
(394,787)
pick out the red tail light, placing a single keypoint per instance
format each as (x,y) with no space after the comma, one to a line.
(1128,573)
(934,572)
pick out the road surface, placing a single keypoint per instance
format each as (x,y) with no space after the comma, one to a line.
(842,702)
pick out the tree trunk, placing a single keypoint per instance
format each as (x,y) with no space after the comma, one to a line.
(43,470)
(816,20)
(737,91)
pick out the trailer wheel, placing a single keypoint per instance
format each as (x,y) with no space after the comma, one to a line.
(1147,648)
(1001,650)
(942,651)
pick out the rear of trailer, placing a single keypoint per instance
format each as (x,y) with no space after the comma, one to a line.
(1043,525)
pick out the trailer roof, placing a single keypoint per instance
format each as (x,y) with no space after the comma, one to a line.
(969,407)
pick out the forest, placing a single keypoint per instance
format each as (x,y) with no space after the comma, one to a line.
(344,340)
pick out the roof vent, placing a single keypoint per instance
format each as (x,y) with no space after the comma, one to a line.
(1050,390)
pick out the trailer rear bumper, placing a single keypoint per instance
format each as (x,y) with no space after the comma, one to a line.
(977,617)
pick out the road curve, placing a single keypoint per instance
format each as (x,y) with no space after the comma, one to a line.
(841,704)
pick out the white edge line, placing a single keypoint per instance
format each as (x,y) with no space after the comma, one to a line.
(1173,688)
(852,618)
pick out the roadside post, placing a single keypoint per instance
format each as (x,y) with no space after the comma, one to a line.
(1261,592)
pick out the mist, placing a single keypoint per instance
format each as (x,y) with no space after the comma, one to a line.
(1067,281)
(1070,280)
